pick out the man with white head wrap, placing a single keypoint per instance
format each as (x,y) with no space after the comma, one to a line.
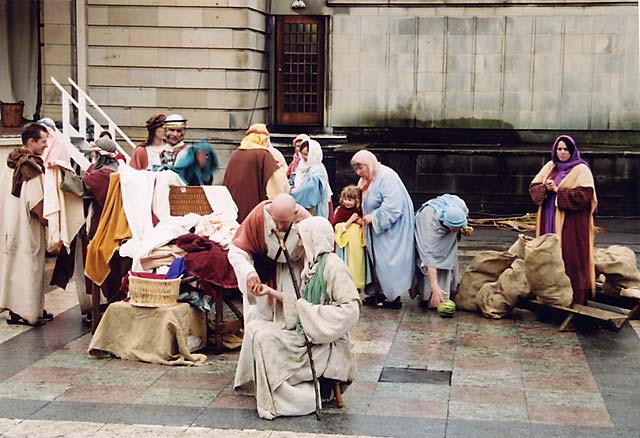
(175,126)
(328,310)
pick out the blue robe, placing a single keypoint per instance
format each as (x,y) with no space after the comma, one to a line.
(314,193)
(388,201)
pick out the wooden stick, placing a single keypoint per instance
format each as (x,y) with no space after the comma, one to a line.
(307,343)
(338,392)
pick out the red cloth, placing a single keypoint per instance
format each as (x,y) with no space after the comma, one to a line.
(207,261)
(576,204)
(343,214)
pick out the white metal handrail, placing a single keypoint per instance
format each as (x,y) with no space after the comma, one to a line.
(67,128)
(82,95)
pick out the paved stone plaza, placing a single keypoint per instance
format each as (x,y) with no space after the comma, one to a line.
(514,377)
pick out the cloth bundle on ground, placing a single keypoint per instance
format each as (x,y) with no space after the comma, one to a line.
(517,248)
(618,265)
(498,298)
(207,260)
(166,335)
(545,271)
(486,267)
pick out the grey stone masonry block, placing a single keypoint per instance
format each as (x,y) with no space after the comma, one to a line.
(578,63)
(373,43)
(431,25)
(517,63)
(518,43)
(430,82)
(544,101)
(577,118)
(606,84)
(461,26)
(490,25)
(546,63)
(457,82)
(548,44)
(573,44)
(371,81)
(489,43)
(630,120)
(516,101)
(401,63)
(458,44)
(403,25)
(372,25)
(548,118)
(488,82)
(345,25)
(610,24)
(405,44)
(516,82)
(459,63)
(517,119)
(579,25)
(489,64)
(519,25)
(458,105)
(546,81)
(548,25)
(431,44)
(609,63)
(486,102)
(575,82)
(431,63)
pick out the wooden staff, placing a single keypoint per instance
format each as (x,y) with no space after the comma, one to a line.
(307,343)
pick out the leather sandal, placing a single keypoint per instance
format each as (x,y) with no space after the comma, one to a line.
(15,319)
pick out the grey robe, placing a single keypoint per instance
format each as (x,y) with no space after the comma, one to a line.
(437,248)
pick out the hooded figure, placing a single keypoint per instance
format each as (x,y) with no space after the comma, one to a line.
(565,194)
(311,187)
(328,309)
(437,224)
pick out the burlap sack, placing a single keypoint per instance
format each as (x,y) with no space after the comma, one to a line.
(618,265)
(484,268)
(498,298)
(517,248)
(544,268)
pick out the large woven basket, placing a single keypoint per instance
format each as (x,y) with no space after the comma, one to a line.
(189,199)
(147,292)
(11,114)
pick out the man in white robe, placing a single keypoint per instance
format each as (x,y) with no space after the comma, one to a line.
(22,228)
(256,246)
(328,310)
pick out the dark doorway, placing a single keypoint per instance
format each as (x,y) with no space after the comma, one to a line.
(299,70)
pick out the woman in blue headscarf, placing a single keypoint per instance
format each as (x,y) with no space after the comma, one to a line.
(439,224)
(565,194)
(311,187)
(197,165)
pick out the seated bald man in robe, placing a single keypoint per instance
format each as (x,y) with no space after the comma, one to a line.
(256,256)
(274,357)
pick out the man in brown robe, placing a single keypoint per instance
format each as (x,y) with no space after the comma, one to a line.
(253,173)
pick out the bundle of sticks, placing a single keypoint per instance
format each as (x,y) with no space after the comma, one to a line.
(521,224)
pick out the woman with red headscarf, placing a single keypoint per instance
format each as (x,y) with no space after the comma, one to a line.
(566,197)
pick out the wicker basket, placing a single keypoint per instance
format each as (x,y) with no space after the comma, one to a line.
(11,114)
(147,292)
(189,199)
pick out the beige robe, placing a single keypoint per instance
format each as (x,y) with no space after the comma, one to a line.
(22,249)
(277,352)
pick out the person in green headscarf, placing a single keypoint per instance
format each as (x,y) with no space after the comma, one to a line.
(273,354)
(197,165)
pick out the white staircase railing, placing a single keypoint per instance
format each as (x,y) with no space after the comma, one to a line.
(85,118)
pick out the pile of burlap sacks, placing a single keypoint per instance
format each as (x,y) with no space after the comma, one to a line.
(533,268)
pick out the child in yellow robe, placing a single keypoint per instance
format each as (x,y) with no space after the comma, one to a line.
(348,233)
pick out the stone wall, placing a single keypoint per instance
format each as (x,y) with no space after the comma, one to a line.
(57,53)
(202,58)
(534,67)
(494,180)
